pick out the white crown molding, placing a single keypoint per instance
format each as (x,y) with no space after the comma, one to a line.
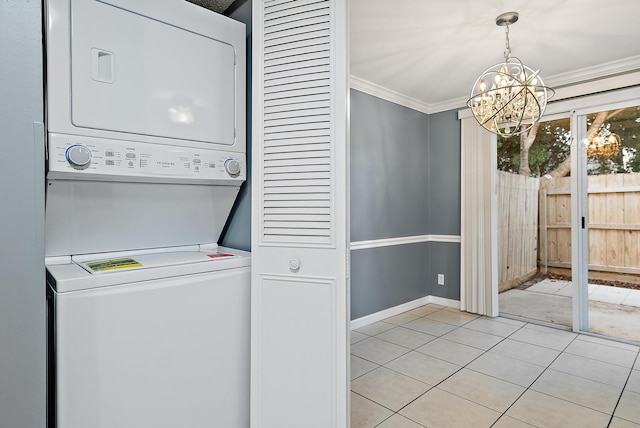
(403,240)
(388,94)
(594,73)
(448,105)
(607,76)
(604,84)
(605,90)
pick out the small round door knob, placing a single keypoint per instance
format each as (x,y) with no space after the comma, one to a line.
(294,265)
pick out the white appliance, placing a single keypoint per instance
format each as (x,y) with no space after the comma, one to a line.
(149,320)
(160,71)
(161,345)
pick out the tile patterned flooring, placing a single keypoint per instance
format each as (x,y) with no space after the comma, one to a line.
(439,367)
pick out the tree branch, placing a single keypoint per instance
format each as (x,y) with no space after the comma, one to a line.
(601,118)
(526,140)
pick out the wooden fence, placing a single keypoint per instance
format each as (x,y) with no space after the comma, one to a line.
(517,228)
(614,225)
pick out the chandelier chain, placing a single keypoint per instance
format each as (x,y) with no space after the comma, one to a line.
(507,48)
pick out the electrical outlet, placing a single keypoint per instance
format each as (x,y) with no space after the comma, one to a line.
(440,279)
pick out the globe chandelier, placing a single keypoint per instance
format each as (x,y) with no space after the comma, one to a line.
(606,144)
(508,98)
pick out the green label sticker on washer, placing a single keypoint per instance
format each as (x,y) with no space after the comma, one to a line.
(111,264)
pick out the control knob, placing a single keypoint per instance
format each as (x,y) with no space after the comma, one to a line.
(78,156)
(232,167)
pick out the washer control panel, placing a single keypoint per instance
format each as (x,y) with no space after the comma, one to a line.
(117,160)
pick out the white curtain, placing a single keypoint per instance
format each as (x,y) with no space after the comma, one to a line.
(479,246)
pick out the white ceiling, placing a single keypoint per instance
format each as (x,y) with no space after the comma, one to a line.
(433,50)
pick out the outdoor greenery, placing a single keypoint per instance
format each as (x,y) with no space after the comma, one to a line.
(549,152)
(551,147)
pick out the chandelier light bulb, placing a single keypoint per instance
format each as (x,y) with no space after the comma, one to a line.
(517,98)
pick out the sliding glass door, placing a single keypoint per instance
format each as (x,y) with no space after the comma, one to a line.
(579,195)
(605,170)
(534,226)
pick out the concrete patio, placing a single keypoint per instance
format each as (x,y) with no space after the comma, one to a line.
(613,311)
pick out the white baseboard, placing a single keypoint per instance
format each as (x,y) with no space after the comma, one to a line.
(378,316)
(444,302)
(396,310)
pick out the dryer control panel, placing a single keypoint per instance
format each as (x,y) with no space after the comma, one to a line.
(88,158)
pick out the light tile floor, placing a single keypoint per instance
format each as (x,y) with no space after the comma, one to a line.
(440,367)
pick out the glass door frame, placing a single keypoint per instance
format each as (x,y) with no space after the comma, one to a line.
(579,222)
(576,108)
(579,201)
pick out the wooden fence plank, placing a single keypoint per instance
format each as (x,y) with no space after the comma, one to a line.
(613,214)
(632,217)
(563,209)
(614,221)
(597,247)
(517,228)
(597,214)
(632,248)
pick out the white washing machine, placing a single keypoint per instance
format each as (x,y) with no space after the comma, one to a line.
(149,319)
(151,339)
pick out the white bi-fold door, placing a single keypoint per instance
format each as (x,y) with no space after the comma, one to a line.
(300,304)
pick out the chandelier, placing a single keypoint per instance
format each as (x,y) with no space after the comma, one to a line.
(605,144)
(508,98)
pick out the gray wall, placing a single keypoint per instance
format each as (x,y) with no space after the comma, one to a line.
(444,173)
(389,169)
(444,203)
(22,280)
(405,181)
(385,277)
(389,199)
(237,231)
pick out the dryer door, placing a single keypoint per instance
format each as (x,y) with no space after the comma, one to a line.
(135,74)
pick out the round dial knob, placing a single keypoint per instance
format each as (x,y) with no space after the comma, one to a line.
(232,167)
(78,155)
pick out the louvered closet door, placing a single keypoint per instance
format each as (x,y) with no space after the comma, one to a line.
(300,305)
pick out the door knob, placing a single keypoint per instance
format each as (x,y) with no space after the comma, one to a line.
(294,265)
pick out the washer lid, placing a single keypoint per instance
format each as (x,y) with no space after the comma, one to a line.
(102,270)
(116,264)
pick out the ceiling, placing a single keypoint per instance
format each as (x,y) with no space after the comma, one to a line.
(432,51)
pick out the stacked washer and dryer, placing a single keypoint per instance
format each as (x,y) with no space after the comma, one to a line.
(148,317)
